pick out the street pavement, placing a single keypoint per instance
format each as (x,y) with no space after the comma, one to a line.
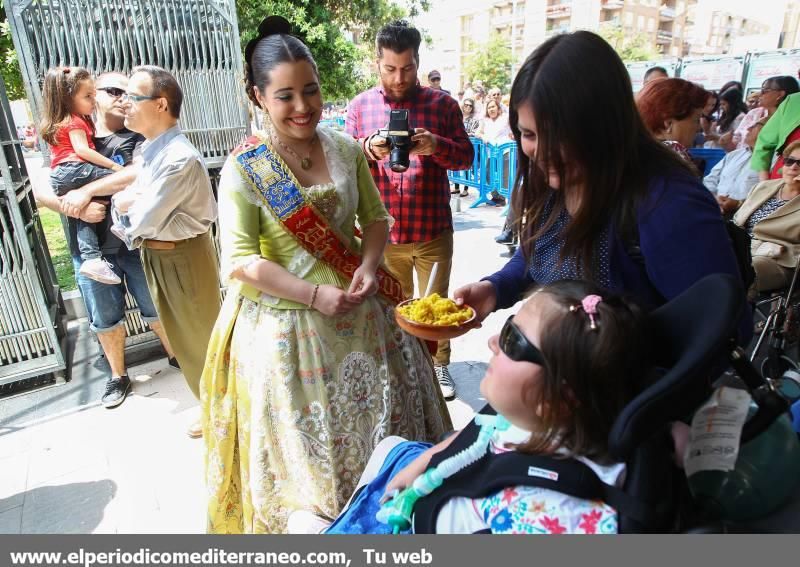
(76,467)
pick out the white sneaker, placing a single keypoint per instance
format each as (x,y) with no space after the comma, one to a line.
(99,270)
(445,381)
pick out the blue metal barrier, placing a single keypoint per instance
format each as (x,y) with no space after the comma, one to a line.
(474,176)
(502,169)
(494,168)
(712,157)
(337,122)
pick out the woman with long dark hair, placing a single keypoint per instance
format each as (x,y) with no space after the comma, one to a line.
(732,112)
(598,197)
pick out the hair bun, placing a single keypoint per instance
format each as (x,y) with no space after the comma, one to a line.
(272,25)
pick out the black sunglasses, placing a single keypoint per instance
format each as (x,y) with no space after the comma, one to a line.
(790,161)
(516,345)
(116,92)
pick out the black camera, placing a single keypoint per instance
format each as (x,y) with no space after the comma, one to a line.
(398,136)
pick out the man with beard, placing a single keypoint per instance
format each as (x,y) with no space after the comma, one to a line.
(419,198)
(105,304)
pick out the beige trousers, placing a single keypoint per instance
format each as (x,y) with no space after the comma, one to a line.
(184,284)
(402,259)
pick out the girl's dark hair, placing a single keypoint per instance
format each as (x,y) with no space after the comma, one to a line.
(730,85)
(785,83)
(272,46)
(581,97)
(715,96)
(60,85)
(736,106)
(589,374)
(398,36)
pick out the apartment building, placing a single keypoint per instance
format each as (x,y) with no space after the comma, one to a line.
(790,34)
(527,23)
(665,22)
(675,28)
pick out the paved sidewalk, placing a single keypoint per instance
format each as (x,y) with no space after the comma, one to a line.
(85,469)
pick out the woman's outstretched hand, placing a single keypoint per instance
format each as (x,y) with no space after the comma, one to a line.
(331,300)
(481,296)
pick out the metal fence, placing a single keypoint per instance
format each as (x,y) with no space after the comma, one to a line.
(196,40)
(32,317)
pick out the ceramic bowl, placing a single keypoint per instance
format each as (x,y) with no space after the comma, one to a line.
(432,332)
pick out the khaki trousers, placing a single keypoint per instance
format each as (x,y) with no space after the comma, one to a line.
(402,259)
(184,284)
(770,275)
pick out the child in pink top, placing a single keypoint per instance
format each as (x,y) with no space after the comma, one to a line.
(68,129)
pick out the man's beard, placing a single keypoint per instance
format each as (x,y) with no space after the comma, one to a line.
(405,95)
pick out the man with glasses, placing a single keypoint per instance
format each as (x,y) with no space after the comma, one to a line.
(496,95)
(167,213)
(419,198)
(105,304)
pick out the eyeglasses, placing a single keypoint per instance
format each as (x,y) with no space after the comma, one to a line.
(516,345)
(467,106)
(791,161)
(138,97)
(116,92)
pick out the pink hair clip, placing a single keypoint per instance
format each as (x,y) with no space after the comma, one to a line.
(589,305)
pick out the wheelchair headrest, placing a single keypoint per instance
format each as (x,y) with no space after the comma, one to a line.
(690,342)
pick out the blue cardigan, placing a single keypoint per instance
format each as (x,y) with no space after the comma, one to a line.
(682,239)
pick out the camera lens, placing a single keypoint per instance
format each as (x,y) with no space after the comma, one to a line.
(398,159)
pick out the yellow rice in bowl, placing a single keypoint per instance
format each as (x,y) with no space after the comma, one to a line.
(435,310)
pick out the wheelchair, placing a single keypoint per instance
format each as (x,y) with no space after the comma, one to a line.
(777,315)
(695,354)
(689,356)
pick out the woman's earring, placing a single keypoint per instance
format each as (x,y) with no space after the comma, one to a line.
(267,123)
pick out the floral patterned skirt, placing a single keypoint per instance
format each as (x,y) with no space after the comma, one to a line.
(295,401)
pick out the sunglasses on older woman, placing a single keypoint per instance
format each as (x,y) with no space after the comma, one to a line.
(516,345)
(790,161)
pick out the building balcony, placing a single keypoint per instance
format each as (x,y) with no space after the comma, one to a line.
(502,20)
(613,5)
(665,13)
(559,11)
(663,36)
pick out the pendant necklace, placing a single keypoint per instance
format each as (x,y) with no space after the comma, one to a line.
(305,162)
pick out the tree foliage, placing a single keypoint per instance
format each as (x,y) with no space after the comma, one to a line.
(345,67)
(491,63)
(630,47)
(12,76)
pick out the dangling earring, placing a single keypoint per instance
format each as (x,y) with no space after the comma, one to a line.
(268,127)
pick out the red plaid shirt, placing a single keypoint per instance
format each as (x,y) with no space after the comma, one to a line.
(419,198)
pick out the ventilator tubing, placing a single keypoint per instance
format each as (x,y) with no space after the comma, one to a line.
(398,511)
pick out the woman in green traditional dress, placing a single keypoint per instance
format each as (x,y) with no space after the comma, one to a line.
(307,369)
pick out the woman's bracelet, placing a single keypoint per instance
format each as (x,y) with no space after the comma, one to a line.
(313,296)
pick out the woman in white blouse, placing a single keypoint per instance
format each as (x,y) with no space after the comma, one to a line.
(495,128)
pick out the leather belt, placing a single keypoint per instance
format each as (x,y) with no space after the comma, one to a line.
(161,244)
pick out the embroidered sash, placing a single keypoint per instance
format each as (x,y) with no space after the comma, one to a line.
(281,194)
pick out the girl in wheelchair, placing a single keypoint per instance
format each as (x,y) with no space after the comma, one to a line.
(561,371)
